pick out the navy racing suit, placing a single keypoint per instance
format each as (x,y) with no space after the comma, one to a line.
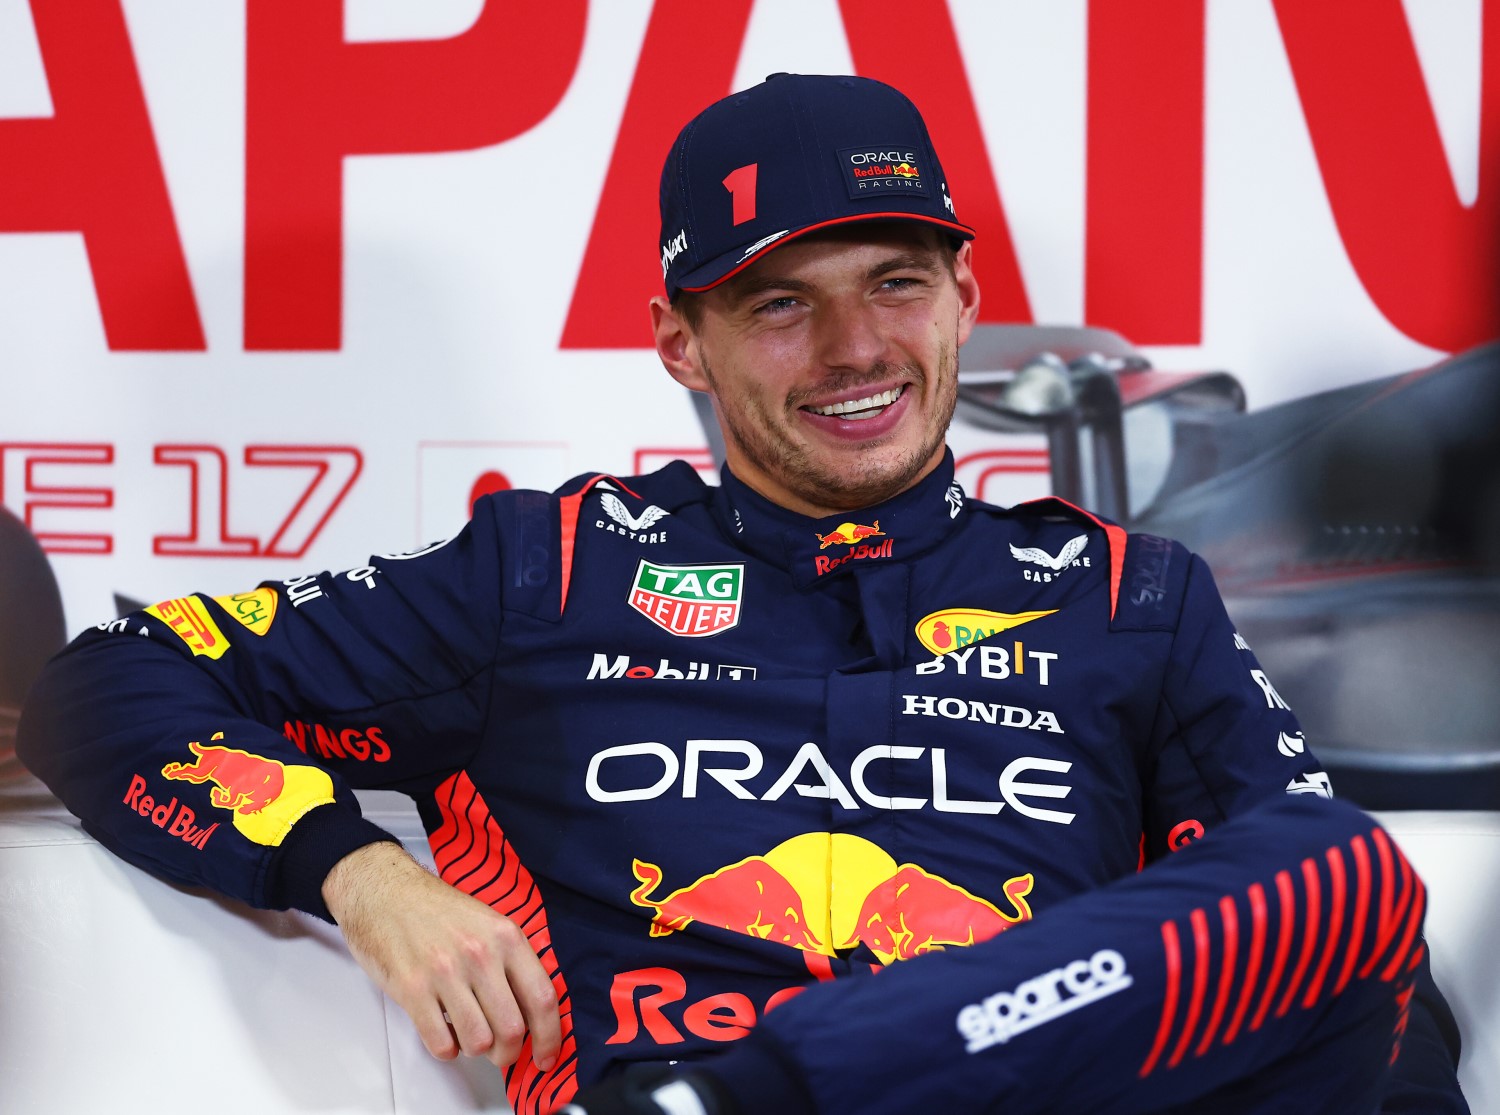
(707,752)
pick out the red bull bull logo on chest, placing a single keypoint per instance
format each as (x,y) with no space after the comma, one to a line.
(788,895)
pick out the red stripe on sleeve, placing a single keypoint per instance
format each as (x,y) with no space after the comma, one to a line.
(1200,984)
(1387,890)
(1390,927)
(1413,923)
(1173,951)
(1257,952)
(1230,918)
(1416,956)
(1361,909)
(1338,894)
(1309,934)
(1288,898)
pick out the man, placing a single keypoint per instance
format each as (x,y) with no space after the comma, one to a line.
(693,750)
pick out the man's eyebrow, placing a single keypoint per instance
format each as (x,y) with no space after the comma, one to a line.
(741,288)
(907,261)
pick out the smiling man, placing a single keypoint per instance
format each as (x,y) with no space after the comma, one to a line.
(751,811)
(832,363)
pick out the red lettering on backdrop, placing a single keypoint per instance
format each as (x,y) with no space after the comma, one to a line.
(688,61)
(335,468)
(25,492)
(1430,263)
(312,99)
(92,167)
(912,45)
(1143,266)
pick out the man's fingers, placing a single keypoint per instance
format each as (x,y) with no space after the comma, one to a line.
(518,997)
(433,1029)
(537,998)
(479,1031)
(506,1027)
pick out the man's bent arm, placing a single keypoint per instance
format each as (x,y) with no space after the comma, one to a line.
(214,742)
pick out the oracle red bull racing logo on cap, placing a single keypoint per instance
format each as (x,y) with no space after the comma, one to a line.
(881,171)
(267,797)
(830,892)
(690,600)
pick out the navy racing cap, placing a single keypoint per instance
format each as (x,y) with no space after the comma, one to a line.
(792,155)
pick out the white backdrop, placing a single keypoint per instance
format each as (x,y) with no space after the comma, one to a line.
(202,320)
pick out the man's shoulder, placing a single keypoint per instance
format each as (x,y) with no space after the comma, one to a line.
(1147,573)
(671,487)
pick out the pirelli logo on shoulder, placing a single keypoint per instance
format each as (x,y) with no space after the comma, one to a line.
(689,600)
(187,616)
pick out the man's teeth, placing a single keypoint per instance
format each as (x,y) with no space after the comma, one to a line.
(853,406)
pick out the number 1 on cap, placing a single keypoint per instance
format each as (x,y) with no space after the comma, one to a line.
(741,186)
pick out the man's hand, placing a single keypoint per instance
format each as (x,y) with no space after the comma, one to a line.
(465,974)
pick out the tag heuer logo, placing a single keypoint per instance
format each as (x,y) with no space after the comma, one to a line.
(691,600)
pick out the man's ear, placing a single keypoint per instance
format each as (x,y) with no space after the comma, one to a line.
(968,290)
(676,345)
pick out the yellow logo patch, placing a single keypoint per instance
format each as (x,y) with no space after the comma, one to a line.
(255,609)
(956,628)
(187,616)
(266,796)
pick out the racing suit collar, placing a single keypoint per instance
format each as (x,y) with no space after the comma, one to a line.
(812,549)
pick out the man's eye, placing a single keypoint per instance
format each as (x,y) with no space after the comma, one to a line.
(776,306)
(901,282)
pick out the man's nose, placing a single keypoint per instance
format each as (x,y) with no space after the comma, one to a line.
(850,335)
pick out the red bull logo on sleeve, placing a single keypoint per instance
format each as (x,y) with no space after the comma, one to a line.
(689,600)
(255,609)
(175,819)
(267,797)
(190,621)
(788,895)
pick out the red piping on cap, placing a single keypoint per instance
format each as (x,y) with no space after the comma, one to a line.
(967,232)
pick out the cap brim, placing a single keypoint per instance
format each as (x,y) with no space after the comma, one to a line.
(726,266)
